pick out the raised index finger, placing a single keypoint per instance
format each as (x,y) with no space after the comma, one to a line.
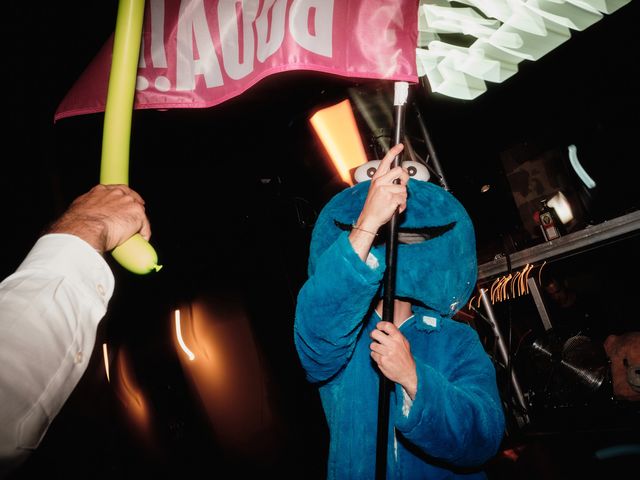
(385,163)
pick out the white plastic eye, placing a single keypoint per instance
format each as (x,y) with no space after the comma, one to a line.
(416,170)
(366,171)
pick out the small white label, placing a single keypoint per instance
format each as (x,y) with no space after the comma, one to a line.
(431,321)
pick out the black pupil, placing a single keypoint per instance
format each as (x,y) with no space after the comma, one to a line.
(412,171)
(371,172)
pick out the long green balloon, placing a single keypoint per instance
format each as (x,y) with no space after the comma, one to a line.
(136,254)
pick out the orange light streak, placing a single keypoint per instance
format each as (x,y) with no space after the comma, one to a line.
(336,127)
(132,398)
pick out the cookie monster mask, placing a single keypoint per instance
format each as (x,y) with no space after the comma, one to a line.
(437,265)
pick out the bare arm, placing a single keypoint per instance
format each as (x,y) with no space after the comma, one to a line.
(383,198)
(50,309)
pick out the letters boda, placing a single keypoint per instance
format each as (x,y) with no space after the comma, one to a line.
(230,36)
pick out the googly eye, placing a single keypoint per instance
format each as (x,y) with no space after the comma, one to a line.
(416,170)
(366,171)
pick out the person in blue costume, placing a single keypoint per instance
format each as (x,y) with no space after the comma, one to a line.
(446,416)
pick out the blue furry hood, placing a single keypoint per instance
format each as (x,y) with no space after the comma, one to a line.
(437,264)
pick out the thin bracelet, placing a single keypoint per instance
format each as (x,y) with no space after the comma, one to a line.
(362,229)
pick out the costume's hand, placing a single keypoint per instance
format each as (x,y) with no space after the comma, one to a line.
(392,352)
(384,196)
(105,217)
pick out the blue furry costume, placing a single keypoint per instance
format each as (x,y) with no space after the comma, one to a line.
(456,421)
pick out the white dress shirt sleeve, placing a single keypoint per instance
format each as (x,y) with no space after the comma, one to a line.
(49,312)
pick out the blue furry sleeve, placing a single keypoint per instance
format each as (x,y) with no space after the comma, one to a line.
(461,403)
(331,307)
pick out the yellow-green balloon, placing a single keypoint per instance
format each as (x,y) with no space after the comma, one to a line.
(136,254)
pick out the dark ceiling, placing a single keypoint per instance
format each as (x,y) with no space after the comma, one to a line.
(584,92)
(232,191)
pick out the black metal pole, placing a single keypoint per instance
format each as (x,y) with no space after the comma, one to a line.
(432,151)
(401,91)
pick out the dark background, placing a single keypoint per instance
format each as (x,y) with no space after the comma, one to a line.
(232,193)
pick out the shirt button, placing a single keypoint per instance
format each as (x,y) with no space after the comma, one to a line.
(101,290)
(78,358)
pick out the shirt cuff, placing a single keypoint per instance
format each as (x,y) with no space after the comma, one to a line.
(70,256)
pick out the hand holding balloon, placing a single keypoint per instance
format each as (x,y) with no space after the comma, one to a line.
(107,217)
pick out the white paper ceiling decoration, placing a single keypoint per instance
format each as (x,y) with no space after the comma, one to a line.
(465,43)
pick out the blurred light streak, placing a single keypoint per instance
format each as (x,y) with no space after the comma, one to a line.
(336,127)
(105,355)
(183,346)
(579,169)
(228,375)
(131,396)
(511,286)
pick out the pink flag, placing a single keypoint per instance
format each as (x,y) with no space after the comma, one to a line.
(199,53)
